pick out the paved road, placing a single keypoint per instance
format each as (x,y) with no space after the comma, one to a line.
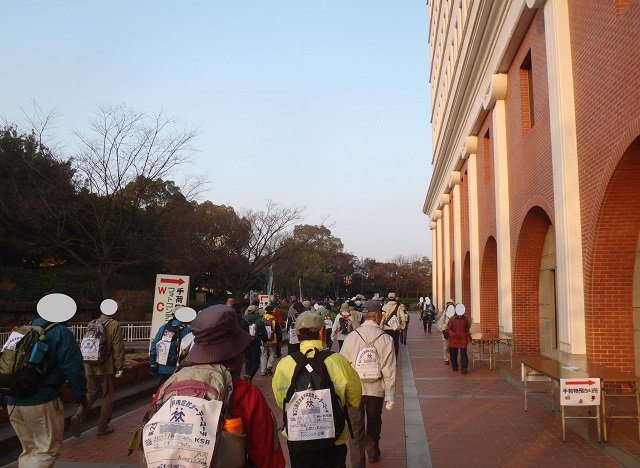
(441,419)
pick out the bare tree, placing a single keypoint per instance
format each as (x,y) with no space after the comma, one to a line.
(118,163)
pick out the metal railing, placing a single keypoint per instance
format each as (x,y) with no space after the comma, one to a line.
(132,331)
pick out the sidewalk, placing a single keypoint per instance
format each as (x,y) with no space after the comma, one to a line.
(441,419)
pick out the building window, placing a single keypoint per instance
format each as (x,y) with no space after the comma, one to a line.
(526,95)
(487,158)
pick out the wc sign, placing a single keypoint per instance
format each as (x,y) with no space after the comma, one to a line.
(171,293)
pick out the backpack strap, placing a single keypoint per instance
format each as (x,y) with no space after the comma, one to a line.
(374,340)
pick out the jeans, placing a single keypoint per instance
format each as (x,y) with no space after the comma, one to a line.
(267,357)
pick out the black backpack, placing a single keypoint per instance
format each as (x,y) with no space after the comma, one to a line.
(316,379)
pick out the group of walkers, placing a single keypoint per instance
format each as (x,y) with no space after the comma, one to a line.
(326,397)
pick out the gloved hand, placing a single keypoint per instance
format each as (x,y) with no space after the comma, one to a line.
(119,374)
(390,405)
(83,403)
(153,370)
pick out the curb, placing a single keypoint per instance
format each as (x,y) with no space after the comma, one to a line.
(137,390)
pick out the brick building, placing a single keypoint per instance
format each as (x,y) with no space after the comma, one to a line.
(535,197)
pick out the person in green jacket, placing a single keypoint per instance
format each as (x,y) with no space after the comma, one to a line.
(102,376)
(39,419)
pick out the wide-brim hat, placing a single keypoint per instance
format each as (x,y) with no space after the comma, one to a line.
(217,337)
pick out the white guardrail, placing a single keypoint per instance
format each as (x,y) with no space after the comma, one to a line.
(133,331)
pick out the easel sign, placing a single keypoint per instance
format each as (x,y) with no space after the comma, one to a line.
(584,391)
(580,392)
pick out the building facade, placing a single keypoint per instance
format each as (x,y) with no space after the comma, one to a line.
(534,203)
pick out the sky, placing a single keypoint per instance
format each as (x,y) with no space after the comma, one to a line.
(319,104)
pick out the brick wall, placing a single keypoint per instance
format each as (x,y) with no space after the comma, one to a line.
(609,315)
(606,70)
(489,288)
(526,274)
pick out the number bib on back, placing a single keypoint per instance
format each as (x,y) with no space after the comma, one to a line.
(183,431)
(310,416)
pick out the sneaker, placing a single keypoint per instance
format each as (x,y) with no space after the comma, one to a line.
(464,371)
(107,430)
(75,425)
(263,373)
(454,369)
(269,371)
(446,363)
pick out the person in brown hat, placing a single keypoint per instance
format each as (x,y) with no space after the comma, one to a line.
(218,339)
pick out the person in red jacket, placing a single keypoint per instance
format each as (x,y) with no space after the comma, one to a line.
(459,337)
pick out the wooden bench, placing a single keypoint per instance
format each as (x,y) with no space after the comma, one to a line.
(535,368)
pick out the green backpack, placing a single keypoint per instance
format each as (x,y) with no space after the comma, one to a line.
(23,361)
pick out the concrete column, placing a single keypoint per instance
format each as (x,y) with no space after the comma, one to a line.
(566,186)
(495,100)
(470,150)
(446,258)
(434,265)
(456,208)
(441,300)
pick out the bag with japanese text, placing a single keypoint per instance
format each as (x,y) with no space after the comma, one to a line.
(313,415)
(185,424)
(94,346)
(168,347)
(23,361)
(269,326)
(368,364)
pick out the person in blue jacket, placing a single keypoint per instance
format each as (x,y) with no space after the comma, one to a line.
(165,348)
(39,419)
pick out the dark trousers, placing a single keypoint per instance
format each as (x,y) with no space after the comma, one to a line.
(395,334)
(403,334)
(252,355)
(340,343)
(329,341)
(365,435)
(333,457)
(464,359)
(293,348)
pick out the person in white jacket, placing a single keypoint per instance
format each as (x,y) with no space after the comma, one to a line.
(441,324)
(378,377)
(342,326)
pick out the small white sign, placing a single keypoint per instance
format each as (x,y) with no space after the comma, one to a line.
(13,341)
(580,392)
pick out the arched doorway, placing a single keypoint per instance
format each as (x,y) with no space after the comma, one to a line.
(534,313)
(489,288)
(613,294)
